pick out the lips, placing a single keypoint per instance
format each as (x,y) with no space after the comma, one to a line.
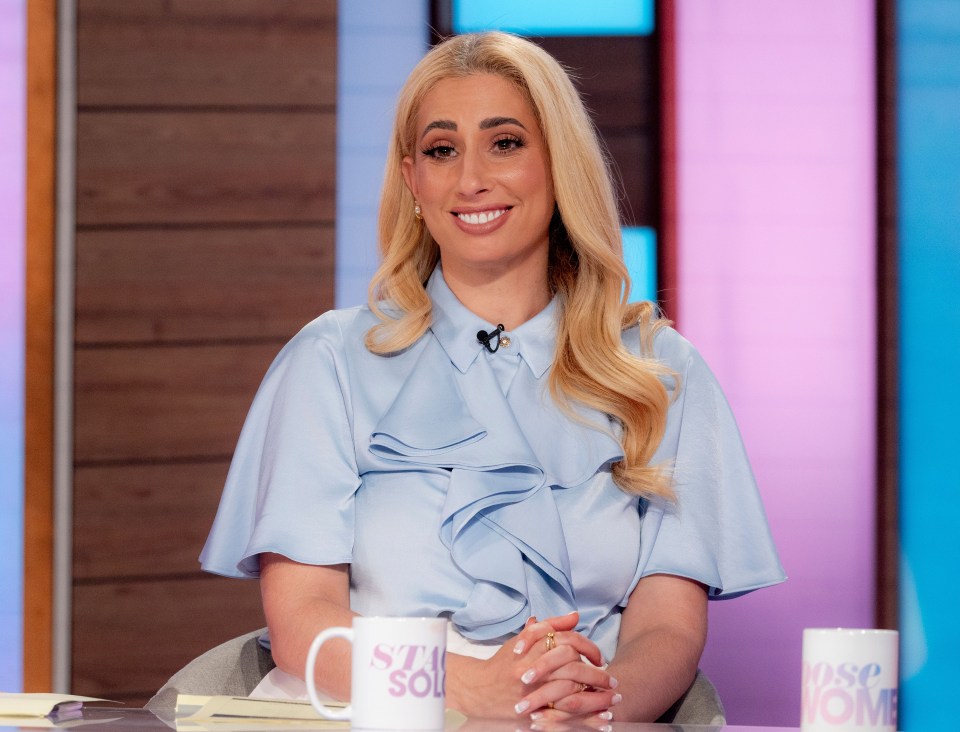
(476,218)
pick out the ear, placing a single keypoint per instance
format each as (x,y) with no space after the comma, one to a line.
(407,170)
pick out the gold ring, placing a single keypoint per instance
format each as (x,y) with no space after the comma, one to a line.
(551,641)
(583,687)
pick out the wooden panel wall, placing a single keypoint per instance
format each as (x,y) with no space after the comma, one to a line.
(38,375)
(205,204)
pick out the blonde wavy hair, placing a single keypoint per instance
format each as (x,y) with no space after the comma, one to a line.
(586,272)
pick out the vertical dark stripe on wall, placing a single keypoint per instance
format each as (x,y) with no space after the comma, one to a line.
(888,543)
(667,229)
(441,20)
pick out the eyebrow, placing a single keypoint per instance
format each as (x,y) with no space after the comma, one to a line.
(491,122)
(486,124)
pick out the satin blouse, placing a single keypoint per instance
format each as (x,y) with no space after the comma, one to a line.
(453,485)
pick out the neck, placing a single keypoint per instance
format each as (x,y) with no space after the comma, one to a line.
(511,298)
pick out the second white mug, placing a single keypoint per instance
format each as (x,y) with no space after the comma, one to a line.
(849,680)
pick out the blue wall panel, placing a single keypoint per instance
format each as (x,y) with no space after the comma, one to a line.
(640,254)
(929,233)
(555,17)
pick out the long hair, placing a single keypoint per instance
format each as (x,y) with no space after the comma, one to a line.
(586,272)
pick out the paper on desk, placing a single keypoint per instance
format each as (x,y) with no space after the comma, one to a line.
(223,710)
(244,714)
(42,710)
(26,706)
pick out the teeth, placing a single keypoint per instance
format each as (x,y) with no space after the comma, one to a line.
(481,218)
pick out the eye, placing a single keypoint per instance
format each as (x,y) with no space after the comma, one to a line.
(439,150)
(507,143)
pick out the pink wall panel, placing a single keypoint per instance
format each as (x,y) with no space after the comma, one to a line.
(776,239)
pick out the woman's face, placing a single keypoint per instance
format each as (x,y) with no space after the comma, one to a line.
(481,174)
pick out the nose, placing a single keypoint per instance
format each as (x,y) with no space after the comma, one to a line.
(474,175)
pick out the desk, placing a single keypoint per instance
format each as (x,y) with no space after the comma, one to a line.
(112,719)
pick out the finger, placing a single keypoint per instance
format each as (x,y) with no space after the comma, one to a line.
(564,663)
(565,696)
(583,645)
(564,622)
(532,632)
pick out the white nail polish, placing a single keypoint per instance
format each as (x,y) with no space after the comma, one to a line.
(536,716)
(614,683)
(607,715)
(522,706)
(528,676)
(617,698)
(518,649)
(605,728)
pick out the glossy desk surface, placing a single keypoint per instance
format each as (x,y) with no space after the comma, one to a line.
(113,719)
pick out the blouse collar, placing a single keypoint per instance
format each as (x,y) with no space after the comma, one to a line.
(456,327)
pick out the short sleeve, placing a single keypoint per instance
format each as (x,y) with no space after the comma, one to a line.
(716,532)
(292,481)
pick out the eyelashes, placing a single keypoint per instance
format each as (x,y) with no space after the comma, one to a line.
(502,144)
(439,150)
(508,143)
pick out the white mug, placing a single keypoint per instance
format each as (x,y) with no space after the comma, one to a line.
(849,680)
(398,673)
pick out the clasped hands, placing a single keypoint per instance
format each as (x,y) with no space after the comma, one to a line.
(548,672)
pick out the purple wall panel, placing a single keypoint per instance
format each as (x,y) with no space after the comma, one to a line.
(776,244)
(12,210)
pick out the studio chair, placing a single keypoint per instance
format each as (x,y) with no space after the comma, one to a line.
(700,704)
(236,667)
(233,668)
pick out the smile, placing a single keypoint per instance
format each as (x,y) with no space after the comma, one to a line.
(482,217)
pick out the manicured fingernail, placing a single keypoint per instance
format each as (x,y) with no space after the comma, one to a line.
(607,715)
(522,706)
(528,676)
(572,612)
(605,728)
(521,644)
(614,683)
(617,698)
(537,727)
(535,716)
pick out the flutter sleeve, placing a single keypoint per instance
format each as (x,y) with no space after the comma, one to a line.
(716,532)
(291,485)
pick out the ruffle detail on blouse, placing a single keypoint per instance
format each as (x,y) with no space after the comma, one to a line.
(499,519)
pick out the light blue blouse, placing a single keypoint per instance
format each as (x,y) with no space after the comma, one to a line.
(450,482)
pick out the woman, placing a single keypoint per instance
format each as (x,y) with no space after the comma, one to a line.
(498,438)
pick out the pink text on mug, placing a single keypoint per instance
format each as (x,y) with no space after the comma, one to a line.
(415,670)
(847,693)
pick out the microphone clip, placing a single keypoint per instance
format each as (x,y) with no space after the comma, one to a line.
(494,335)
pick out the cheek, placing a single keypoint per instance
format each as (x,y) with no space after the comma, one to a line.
(430,185)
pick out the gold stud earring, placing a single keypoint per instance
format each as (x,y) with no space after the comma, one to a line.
(417,211)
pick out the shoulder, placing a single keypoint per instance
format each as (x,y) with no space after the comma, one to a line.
(337,324)
(669,347)
(330,341)
(342,329)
